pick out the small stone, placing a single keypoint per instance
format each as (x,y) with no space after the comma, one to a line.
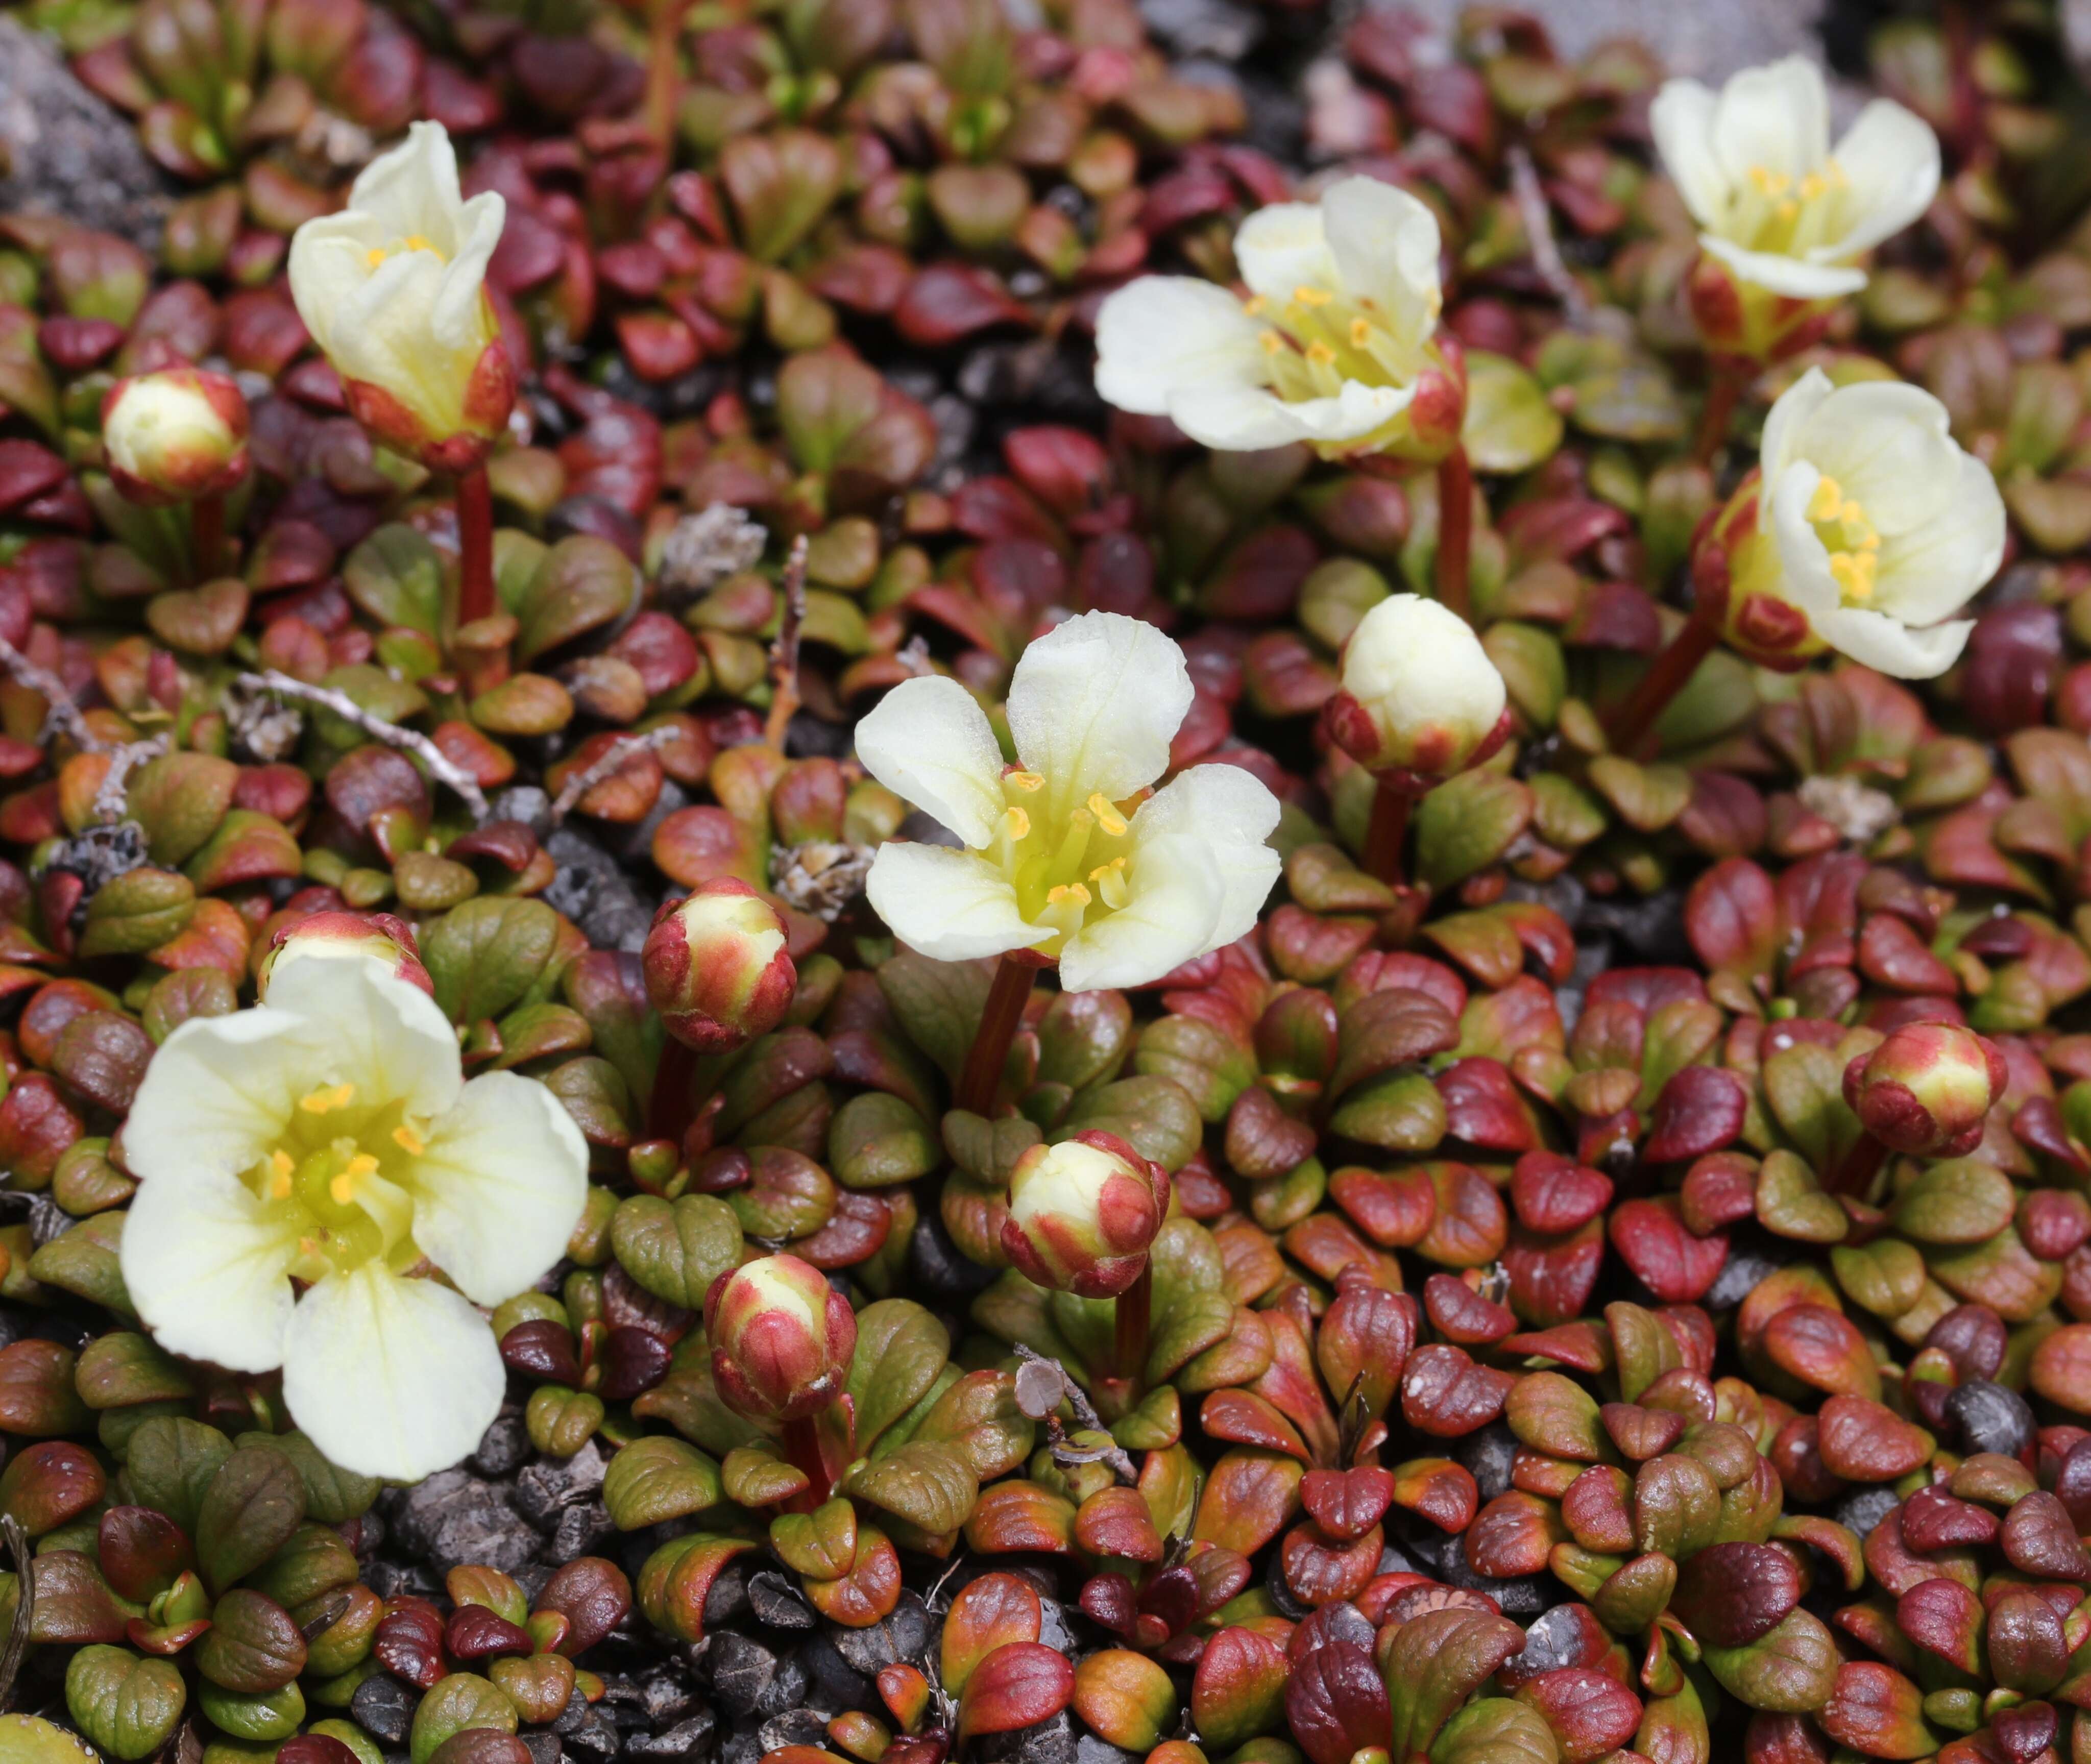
(939,1270)
(1089,1749)
(1652,930)
(544,1748)
(837,1685)
(397,1579)
(1487,1455)
(1553,1639)
(454,1517)
(1739,1277)
(794,1727)
(777,1603)
(666,1694)
(727,1601)
(545,1489)
(580,1530)
(1991,1418)
(1053,1630)
(592,888)
(595,1737)
(687,1742)
(504,1448)
(742,1748)
(904,1635)
(383,1708)
(743,1671)
(64,151)
(1864,1509)
(1049,1742)
(524,802)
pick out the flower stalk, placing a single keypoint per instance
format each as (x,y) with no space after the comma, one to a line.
(207,536)
(1129,1330)
(663,80)
(1455,531)
(1393,801)
(1627,723)
(475,511)
(1730,374)
(1006,996)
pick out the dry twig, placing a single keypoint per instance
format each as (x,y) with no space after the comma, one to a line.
(63,715)
(17,1541)
(1085,1417)
(612,758)
(110,803)
(441,767)
(1538,218)
(784,652)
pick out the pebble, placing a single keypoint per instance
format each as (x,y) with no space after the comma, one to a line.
(1864,1509)
(1739,1276)
(743,1671)
(794,1727)
(504,1448)
(837,1685)
(1991,1418)
(939,1270)
(580,1530)
(1089,1749)
(383,1708)
(1553,1640)
(777,1603)
(593,889)
(545,1489)
(687,1742)
(544,1748)
(1487,1455)
(455,1518)
(1049,1742)
(903,1635)
(727,1601)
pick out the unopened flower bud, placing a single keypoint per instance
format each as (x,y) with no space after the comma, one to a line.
(1082,1213)
(1926,1089)
(174,435)
(717,967)
(781,1338)
(340,936)
(1419,696)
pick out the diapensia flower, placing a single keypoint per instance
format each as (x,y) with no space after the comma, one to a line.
(781,1338)
(305,1167)
(1336,346)
(393,290)
(1865,529)
(717,968)
(1420,698)
(1928,1089)
(1083,1213)
(344,936)
(1783,217)
(1066,854)
(175,435)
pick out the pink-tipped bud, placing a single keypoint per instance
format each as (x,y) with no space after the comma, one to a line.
(174,435)
(1420,698)
(373,937)
(1082,1213)
(1926,1091)
(717,967)
(781,1338)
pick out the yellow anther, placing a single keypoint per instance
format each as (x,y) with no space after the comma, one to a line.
(1826,502)
(1771,182)
(326,1097)
(1103,869)
(1320,352)
(281,1169)
(1023,780)
(1307,296)
(1854,574)
(374,256)
(1272,343)
(415,242)
(1361,333)
(1108,818)
(409,1142)
(342,1188)
(1068,893)
(1255,306)
(1812,186)
(1015,822)
(1853,513)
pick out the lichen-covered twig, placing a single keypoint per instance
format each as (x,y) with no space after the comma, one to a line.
(110,803)
(17,1541)
(64,715)
(914,655)
(705,549)
(1085,1417)
(1538,219)
(611,759)
(784,652)
(441,767)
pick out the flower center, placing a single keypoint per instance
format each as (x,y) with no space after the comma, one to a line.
(378,254)
(1854,546)
(1776,213)
(326,1177)
(1066,871)
(1317,339)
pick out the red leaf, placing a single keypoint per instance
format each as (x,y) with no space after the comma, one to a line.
(1016,1686)
(1700,1110)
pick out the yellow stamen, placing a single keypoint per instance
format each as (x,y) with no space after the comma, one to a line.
(1023,780)
(1108,818)
(1854,574)
(1852,513)
(1826,502)
(1307,296)
(1320,352)
(1103,869)
(1015,822)
(1255,306)
(328,1097)
(1069,891)
(374,256)
(1771,182)
(1272,342)
(1812,186)
(409,1142)
(1361,333)
(1788,209)
(342,1188)
(281,1169)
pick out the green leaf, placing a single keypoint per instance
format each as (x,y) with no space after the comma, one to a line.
(178,799)
(252,1506)
(1790,1671)
(1509,425)
(172,1462)
(488,955)
(676,1249)
(1154,1115)
(938,1003)
(658,1478)
(333,1495)
(929,1484)
(32,1740)
(1496,1730)
(396,576)
(85,1261)
(582,583)
(127,1706)
(901,1349)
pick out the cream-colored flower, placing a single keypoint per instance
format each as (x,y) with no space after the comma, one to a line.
(329,1138)
(393,290)
(173,435)
(1420,694)
(1333,348)
(1063,855)
(1870,523)
(1775,205)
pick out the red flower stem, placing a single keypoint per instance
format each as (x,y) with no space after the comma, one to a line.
(1730,377)
(207,536)
(1860,1164)
(662,74)
(1386,830)
(1005,999)
(1130,1337)
(671,1107)
(1627,723)
(1455,529)
(802,1451)
(475,512)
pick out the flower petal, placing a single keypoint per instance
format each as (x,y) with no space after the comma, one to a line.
(218,1093)
(1682,119)
(208,1267)
(1889,446)
(1283,246)
(1233,419)
(1093,706)
(1166,334)
(459,316)
(1775,118)
(1787,420)
(501,1187)
(413,189)
(951,906)
(389,1039)
(1234,812)
(1803,559)
(1930,571)
(1385,244)
(928,740)
(1890,646)
(1175,894)
(1890,157)
(1797,278)
(390,1377)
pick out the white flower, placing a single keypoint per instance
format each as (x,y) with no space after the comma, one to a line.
(1874,523)
(1057,859)
(1334,348)
(1775,203)
(1420,694)
(393,290)
(329,1137)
